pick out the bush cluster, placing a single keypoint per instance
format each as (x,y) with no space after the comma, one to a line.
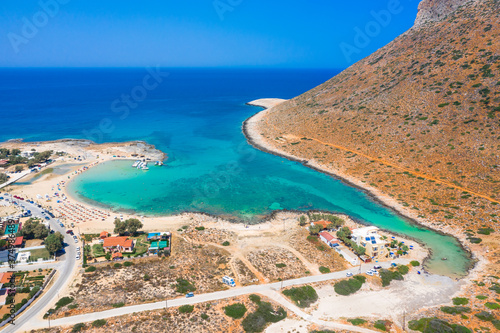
(302,296)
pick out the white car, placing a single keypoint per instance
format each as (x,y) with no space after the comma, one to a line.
(76,240)
(77,257)
(349,274)
(369,273)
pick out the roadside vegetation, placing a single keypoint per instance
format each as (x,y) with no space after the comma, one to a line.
(303,296)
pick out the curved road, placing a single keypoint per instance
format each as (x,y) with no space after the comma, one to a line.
(270,290)
(62,278)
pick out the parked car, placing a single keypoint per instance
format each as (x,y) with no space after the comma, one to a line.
(76,240)
(377,267)
(189,295)
(77,257)
(69,231)
(349,274)
(369,273)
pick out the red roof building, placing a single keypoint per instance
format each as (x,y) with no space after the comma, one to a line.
(3,162)
(322,224)
(19,241)
(5,277)
(327,238)
(104,234)
(118,244)
(117,255)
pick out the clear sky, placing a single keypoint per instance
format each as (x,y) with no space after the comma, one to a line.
(198,33)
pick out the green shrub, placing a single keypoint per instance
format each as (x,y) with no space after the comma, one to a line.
(414,263)
(184,286)
(78,327)
(186,309)
(204,316)
(485,315)
(387,276)
(403,269)
(257,321)
(496,323)
(99,323)
(381,325)
(117,265)
(481,297)
(347,287)
(90,269)
(357,321)
(475,240)
(118,305)
(460,301)
(254,298)
(200,228)
(492,306)
(235,311)
(226,243)
(324,269)
(72,306)
(495,288)
(63,301)
(485,231)
(455,309)
(302,296)
(127,263)
(435,325)
(280,265)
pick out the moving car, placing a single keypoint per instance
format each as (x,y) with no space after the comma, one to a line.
(349,274)
(189,295)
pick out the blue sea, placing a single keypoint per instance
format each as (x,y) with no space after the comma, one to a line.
(195,116)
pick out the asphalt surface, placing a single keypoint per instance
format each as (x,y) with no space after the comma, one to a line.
(265,289)
(64,268)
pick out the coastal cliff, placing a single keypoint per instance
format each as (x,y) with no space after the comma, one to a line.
(415,124)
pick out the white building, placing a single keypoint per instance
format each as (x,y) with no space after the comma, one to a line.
(368,237)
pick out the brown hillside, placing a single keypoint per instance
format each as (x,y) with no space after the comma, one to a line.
(417,123)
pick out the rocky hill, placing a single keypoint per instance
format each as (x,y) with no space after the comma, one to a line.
(417,123)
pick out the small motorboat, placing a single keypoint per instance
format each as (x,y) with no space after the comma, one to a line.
(444,258)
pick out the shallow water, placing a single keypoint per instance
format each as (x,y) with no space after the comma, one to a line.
(195,116)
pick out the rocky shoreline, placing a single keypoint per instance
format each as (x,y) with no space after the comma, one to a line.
(250,130)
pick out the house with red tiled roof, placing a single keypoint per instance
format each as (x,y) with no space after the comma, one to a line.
(18,242)
(117,255)
(5,278)
(104,234)
(118,244)
(3,162)
(328,239)
(322,224)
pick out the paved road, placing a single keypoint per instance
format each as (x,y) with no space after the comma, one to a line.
(15,177)
(65,270)
(234,292)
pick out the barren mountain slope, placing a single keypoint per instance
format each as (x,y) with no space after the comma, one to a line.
(417,123)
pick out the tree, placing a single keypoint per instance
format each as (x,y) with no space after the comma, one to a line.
(302,220)
(3,178)
(19,168)
(40,231)
(120,227)
(34,229)
(54,242)
(15,152)
(314,229)
(133,225)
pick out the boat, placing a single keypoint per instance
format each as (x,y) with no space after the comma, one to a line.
(144,166)
(158,163)
(444,258)
(136,163)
